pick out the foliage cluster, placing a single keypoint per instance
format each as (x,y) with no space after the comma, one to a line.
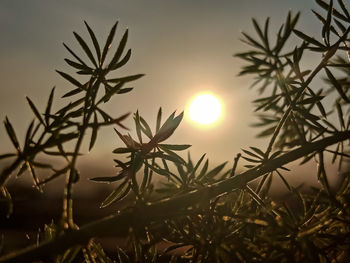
(203,214)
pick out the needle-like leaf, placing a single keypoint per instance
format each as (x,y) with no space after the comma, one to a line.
(108,43)
(35,110)
(85,48)
(119,51)
(94,41)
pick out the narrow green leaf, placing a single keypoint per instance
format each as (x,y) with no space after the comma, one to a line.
(118,194)
(55,175)
(198,163)
(106,117)
(326,26)
(275,154)
(23,168)
(72,92)
(167,128)
(330,27)
(340,25)
(266,132)
(175,155)
(203,170)
(119,51)
(34,175)
(7,155)
(260,33)
(94,132)
(251,160)
(85,47)
(170,157)
(49,106)
(94,41)
(110,91)
(123,61)
(120,119)
(122,150)
(175,147)
(258,151)
(74,55)
(58,153)
(330,125)
(35,110)
(87,71)
(318,103)
(108,43)
(214,171)
(337,85)
(251,154)
(55,140)
(28,137)
(138,126)
(340,114)
(159,119)
(307,38)
(335,12)
(70,79)
(311,100)
(122,137)
(284,180)
(251,41)
(306,114)
(338,153)
(70,106)
(123,91)
(110,179)
(126,79)
(11,133)
(343,7)
(75,64)
(162,172)
(145,128)
(42,165)
(255,196)
(146,174)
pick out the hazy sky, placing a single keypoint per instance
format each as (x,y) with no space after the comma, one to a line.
(183,47)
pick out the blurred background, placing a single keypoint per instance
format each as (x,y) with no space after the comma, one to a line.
(183,47)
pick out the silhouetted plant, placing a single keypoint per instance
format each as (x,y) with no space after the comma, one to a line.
(211,215)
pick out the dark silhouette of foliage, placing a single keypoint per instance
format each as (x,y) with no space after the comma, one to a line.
(209,214)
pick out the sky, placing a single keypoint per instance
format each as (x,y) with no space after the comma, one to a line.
(183,47)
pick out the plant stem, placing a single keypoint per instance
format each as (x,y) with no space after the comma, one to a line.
(67,213)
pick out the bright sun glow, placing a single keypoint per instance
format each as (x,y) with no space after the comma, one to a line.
(205,109)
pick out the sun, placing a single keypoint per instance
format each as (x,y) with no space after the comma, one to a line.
(205,109)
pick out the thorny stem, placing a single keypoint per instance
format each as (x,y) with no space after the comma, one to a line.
(119,224)
(303,87)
